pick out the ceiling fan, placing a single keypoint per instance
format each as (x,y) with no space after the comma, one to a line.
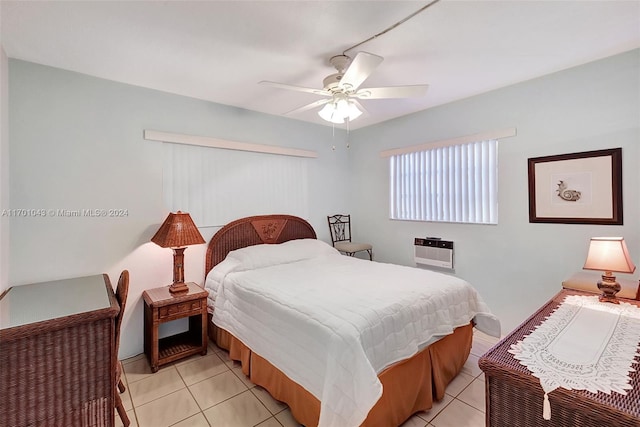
(342,89)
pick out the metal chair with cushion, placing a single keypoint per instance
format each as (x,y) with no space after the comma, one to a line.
(121,295)
(340,228)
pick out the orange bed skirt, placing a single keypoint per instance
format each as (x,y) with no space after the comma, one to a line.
(409,386)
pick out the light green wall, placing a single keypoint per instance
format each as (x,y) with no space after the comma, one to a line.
(515,265)
(77,143)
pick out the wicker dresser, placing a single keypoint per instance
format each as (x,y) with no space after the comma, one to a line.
(515,397)
(57,364)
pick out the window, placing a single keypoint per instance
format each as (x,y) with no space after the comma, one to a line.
(450,183)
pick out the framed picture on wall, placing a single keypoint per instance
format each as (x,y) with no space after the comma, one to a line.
(577,188)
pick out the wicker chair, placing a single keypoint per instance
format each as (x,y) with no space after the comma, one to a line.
(121,295)
(340,228)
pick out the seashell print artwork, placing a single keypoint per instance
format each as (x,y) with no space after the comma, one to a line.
(568,195)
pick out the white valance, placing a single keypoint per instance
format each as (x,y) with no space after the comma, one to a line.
(461,140)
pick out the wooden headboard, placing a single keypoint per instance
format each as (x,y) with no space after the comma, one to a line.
(255,230)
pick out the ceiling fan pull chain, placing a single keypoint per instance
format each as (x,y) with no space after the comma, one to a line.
(333,136)
(346,119)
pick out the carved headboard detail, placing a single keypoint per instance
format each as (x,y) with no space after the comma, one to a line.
(255,230)
(269,229)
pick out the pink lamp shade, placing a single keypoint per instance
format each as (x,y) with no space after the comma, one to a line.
(609,254)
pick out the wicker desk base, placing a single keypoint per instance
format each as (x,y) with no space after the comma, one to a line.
(60,372)
(514,396)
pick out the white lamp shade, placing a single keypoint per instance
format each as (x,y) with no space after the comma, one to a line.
(609,254)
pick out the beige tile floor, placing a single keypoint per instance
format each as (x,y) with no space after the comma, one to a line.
(211,390)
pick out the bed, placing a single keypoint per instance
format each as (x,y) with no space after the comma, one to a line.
(342,341)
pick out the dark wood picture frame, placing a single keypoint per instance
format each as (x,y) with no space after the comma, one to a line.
(547,207)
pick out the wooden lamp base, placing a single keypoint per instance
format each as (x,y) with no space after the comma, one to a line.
(178,285)
(177,288)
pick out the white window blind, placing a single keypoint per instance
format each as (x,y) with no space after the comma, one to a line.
(217,185)
(455,183)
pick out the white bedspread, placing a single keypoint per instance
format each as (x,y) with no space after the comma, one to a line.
(332,323)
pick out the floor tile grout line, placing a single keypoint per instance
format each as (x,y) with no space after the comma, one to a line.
(440,411)
(236,395)
(205,379)
(222,401)
(263,404)
(464,388)
(208,378)
(194,399)
(128,391)
(151,374)
(454,399)
(198,405)
(132,359)
(457,397)
(471,406)
(274,416)
(159,397)
(195,358)
(271,415)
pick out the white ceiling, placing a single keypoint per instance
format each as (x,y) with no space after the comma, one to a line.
(220,50)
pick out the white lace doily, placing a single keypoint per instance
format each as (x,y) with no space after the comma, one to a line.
(583,345)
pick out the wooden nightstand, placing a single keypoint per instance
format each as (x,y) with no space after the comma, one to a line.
(161,306)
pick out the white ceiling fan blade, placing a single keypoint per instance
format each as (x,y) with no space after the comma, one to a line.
(361,67)
(308,106)
(412,91)
(320,92)
(359,105)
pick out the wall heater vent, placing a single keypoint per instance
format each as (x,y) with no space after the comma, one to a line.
(434,252)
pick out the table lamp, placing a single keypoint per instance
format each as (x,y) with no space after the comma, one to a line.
(609,254)
(177,232)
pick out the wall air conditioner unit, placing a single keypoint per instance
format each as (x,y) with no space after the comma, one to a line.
(434,252)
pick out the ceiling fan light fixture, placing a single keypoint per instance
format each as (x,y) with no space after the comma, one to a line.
(330,113)
(354,111)
(342,107)
(339,110)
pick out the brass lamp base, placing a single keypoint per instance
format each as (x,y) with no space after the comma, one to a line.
(177,288)
(609,288)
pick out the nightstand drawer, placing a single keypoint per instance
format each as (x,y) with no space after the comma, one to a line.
(184,307)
